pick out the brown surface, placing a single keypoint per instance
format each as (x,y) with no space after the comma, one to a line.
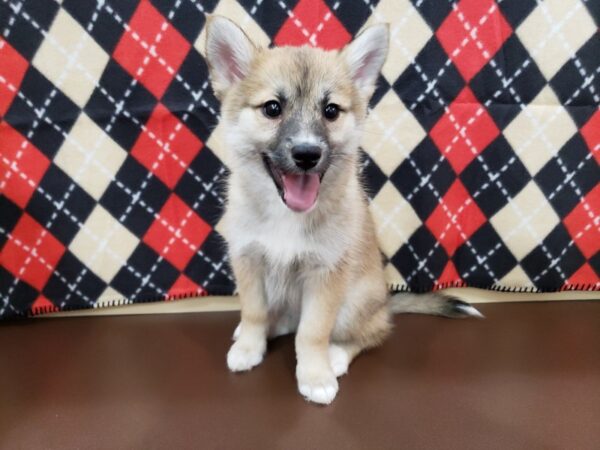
(527,377)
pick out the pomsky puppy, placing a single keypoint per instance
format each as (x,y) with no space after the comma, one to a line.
(300,236)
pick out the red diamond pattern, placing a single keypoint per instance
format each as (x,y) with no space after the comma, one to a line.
(178,233)
(482,45)
(591,133)
(31,253)
(183,286)
(22,165)
(42,303)
(166,147)
(312,22)
(583,223)
(583,276)
(151,50)
(464,131)
(458,207)
(449,275)
(157,69)
(12,70)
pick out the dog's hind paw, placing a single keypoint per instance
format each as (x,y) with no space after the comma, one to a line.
(339,360)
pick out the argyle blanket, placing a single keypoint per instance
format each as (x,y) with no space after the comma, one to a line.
(481,153)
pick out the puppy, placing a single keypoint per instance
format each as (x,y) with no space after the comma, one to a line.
(301,240)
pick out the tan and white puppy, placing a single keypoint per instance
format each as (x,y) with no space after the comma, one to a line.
(301,240)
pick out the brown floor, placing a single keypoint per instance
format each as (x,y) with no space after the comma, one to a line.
(527,377)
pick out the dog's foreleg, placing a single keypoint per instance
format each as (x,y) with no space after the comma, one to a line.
(320,305)
(251,341)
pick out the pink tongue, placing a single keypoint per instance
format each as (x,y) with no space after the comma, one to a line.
(300,191)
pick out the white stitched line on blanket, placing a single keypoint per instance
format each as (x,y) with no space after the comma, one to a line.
(174,236)
(126,114)
(114,226)
(539,130)
(41,260)
(198,6)
(421,261)
(198,179)
(129,192)
(321,25)
(11,20)
(541,45)
(523,221)
(536,124)
(148,177)
(74,181)
(295,19)
(514,76)
(160,157)
(69,190)
(62,278)
(111,252)
(447,211)
(494,249)
(117,18)
(431,84)
(118,105)
(161,61)
(71,216)
(5,33)
(255,7)
(566,45)
(118,183)
(249,18)
(39,115)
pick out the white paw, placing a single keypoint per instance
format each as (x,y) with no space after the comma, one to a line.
(242,356)
(318,388)
(338,358)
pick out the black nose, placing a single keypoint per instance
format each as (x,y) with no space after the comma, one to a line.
(306,156)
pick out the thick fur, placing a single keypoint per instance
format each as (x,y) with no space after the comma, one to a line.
(317,273)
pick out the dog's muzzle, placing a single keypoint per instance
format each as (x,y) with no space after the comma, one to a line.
(298,189)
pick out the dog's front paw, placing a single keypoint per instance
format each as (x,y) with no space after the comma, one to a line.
(317,386)
(242,356)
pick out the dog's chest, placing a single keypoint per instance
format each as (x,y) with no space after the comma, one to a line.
(283,285)
(283,239)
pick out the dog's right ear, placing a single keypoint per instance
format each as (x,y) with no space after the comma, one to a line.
(229,53)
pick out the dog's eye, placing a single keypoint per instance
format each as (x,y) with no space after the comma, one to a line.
(331,111)
(272,109)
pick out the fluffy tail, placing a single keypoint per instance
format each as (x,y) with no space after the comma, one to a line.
(434,304)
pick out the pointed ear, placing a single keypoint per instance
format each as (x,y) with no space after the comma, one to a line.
(229,53)
(365,56)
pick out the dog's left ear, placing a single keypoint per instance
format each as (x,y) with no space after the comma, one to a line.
(365,56)
(229,53)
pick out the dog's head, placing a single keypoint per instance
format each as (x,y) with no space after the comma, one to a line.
(293,113)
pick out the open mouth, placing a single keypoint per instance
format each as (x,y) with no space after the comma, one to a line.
(299,191)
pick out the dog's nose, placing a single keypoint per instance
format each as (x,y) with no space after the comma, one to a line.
(306,156)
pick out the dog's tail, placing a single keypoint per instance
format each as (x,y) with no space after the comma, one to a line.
(435,304)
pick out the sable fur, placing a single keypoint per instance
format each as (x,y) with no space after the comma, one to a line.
(319,273)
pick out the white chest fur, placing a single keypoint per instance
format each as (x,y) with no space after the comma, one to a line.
(283,236)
